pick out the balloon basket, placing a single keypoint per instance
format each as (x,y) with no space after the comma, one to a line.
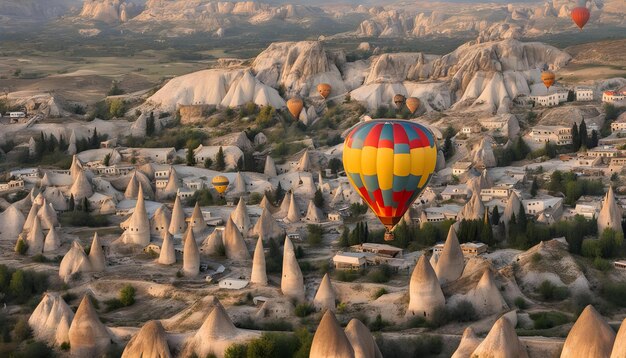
(388,236)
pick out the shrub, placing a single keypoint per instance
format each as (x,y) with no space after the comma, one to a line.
(521,303)
(127,295)
(545,320)
(346,275)
(378,324)
(315,233)
(381,291)
(552,292)
(464,311)
(380,274)
(614,292)
(21,247)
(65,346)
(304,309)
(22,330)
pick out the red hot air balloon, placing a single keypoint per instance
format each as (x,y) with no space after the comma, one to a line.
(580,15)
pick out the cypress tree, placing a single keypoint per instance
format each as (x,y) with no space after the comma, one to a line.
(593,142)
(71,204)
(575,137)
(220,161)
(150,125)
(582,132)
(495,215)
(534,187)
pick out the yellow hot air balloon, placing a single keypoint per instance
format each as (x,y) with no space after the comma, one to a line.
(548,78)
(389,163)
(399,100)
(295,106)
(324,89)
(413,104)
(220,183)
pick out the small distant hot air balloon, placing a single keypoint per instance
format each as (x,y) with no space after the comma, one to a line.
(399,100)
(548,78)
(389,163)
(324,89)
(580,15)
(220,183)
(413,104)
(295,106)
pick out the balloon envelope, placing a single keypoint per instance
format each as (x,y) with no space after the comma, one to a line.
(220,183)
(389,163)
(399,100)
(580,15)
(413,104)
(324,89)
(295,106)
(548,78)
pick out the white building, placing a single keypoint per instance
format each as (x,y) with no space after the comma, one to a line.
(613,96)
(452,192)
(460,168)
(558,135)
(349,260)
(536,206)
(548,100)
(584,93)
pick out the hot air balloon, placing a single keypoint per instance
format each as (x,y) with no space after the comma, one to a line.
(389,163)
(295,106)
(413,104)
(548,78)
(580,15)
(399,100)
(220,183)
(324,89)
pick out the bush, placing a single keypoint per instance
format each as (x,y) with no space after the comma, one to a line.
(21,247)
(65,346)
(22,330)
(552,292)
(380,274)
(127,295)
(464,311)
(304,309)
(614,292)
(381,291)
(81,218)
(521,303)
(314,237)
(545,320)
(346,275)
(378,324)
(35,349)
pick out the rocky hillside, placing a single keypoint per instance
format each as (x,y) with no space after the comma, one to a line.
(486,76)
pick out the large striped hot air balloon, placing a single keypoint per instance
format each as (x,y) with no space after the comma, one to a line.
(389,163)
(220,183)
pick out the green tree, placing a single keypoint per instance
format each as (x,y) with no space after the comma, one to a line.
(334,164)
(279,194)
(550,150)
(344,239)
(115,90)
(521,149)
(17,287)
(495,215)
(582,132)
(220,160)
(534,187)
(594,140)
(71,203)
(21,247)
(575,137)
(117,108)
(208,163)
(190,158)
(107,159)
(94,142)
(448,148)
(127,295)
(318,199)
(150,125)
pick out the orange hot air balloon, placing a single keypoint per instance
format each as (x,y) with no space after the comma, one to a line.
(580,15)
(548,78)
(295,106)
(220,183)
(324,89)
(413,104)
(399,100)
(389,163)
